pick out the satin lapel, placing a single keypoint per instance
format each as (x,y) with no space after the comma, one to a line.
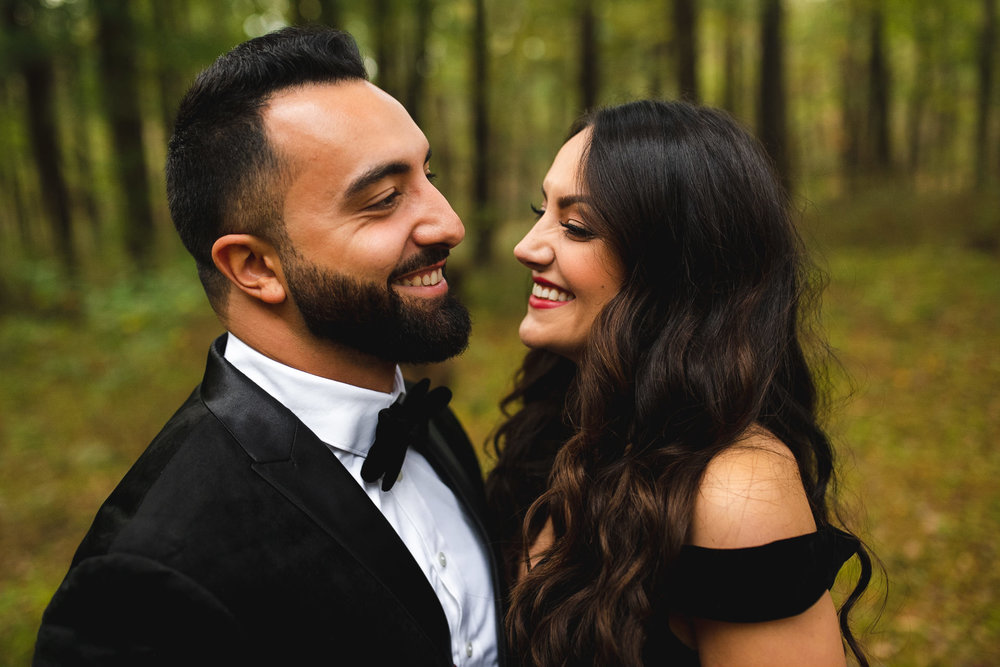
(291,458)
(316,482)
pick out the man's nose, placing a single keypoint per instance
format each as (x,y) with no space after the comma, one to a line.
(439,224)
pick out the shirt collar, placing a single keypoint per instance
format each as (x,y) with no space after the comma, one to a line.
(341,415)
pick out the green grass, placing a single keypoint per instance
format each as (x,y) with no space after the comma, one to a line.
(917,330)
(912,310)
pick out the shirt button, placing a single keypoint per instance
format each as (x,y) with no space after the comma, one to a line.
(468,650)
(442,559)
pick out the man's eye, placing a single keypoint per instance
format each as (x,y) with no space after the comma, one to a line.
(386,202)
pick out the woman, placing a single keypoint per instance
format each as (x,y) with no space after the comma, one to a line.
(663,484)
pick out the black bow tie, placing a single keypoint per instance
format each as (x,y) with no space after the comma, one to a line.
(401,425)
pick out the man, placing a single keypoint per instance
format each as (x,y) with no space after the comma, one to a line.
(257,528)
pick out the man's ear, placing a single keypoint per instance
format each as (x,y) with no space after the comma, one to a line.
(252,265)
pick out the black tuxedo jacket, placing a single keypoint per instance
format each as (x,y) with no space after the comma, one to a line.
(238,538)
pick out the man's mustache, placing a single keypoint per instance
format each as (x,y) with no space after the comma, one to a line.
(422,259)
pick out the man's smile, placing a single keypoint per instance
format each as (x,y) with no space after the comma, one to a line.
(426,277)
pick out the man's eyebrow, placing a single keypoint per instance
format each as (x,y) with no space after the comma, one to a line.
(374,175)
(377,173)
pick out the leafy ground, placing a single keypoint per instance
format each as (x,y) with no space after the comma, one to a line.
(912,309)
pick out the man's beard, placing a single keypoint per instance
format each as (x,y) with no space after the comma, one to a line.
(372,318)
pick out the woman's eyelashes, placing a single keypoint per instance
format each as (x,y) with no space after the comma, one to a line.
(576,231)
(573,228)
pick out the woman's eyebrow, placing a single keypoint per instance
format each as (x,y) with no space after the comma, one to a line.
(567,200)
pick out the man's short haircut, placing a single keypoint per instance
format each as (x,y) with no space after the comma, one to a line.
(223,177)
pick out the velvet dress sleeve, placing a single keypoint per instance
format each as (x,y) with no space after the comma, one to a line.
(763,583)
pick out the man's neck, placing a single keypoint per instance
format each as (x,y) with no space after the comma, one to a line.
(323,358)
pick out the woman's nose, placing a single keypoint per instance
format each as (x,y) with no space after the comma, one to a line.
(534,250)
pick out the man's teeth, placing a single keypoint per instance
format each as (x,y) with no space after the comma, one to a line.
(550,293)
(432,278)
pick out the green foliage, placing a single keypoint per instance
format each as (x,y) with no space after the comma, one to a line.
(83,393)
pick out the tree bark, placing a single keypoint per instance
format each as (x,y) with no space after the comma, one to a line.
(38,71)
(732,85)
(772,123)
(385,38)
(416,83)
(117,57)
(589,61)
(81,151)
(686,29)
(331,13)
(987,50)
(878,94)
(12,170)
(482,206)
(171,25)
(921,91)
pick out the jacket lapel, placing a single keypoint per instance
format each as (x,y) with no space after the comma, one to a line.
(291,458)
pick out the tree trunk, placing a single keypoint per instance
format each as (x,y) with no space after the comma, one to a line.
(12,170)
(36,68)
(331,13)
(416,83)
(81,150)
(589,61)
(482,212)
(772,124)
(987,49)
(852,101)
(878,94)
(117,57)
(686,39)
(732,85)
(923,85)
(386,43)
(170,17)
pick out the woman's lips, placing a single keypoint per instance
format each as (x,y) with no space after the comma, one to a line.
(545,294)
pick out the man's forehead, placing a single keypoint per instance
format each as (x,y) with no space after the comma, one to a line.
(352,118)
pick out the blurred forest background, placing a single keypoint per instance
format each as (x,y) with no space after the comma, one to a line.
(881,114)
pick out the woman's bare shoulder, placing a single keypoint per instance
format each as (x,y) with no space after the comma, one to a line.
(751,494)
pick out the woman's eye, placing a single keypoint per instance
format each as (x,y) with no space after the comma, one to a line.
(576,231)
(539,212)
(431,176)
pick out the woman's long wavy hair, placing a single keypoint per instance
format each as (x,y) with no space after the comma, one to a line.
(701,342)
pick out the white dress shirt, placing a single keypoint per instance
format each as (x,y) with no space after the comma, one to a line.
(420,507)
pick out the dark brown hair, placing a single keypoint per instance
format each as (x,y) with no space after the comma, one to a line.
(223,177)
(702,342)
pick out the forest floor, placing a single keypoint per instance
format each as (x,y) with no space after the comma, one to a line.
(912,310)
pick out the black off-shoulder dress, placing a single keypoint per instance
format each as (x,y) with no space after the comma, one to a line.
(763,583)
